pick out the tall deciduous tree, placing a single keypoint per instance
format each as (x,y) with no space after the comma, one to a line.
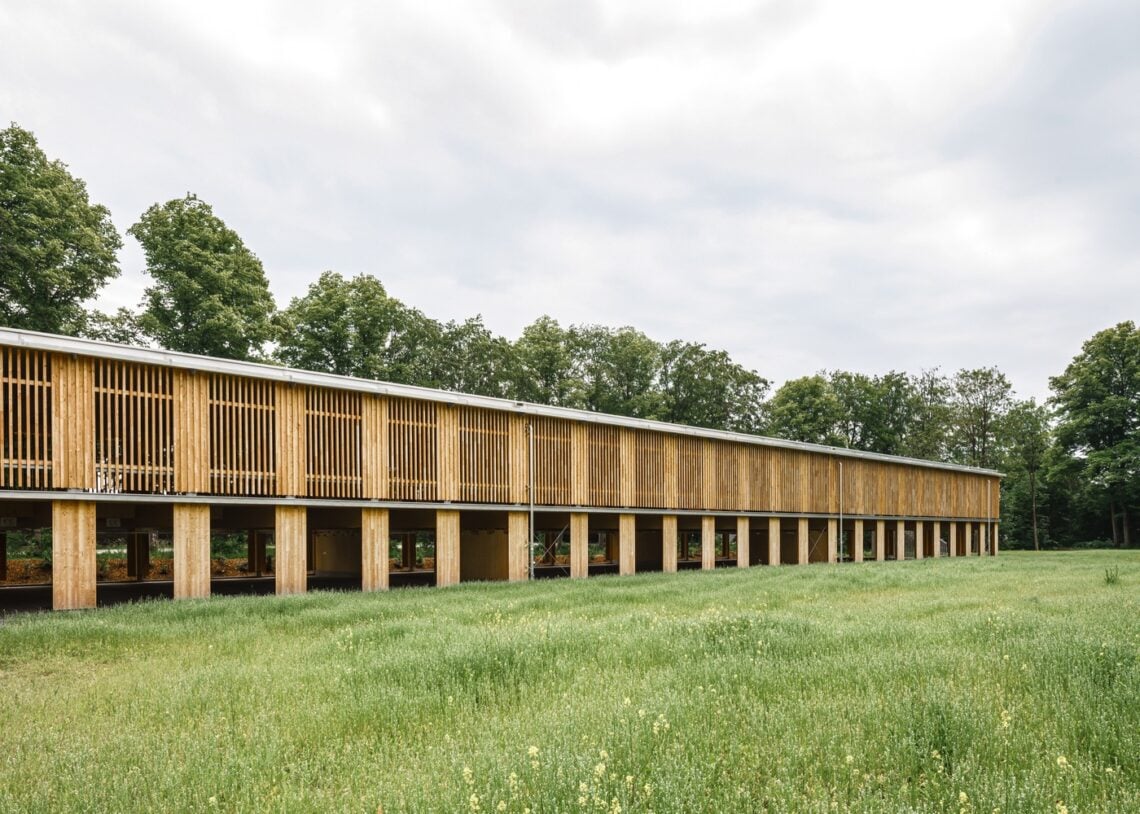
(705,388)
(546,365)
(981,398)
(806,409)
(57,249)
(1028,434)
(353,328)
(619,370)
(210,294)
(1098,409)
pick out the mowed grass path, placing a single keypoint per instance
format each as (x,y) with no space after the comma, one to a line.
(1008,684)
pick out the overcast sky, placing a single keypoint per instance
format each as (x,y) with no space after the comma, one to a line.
(808,185)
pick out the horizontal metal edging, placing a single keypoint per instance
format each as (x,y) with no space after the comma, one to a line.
(208,364)
(226,500)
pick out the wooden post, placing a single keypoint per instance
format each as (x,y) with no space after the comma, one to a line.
(708,542)
(919,539)
(900,540)
(191,550)
(669,543)
(880,540)
(579,545)
(72,554)
(953,539)
(857,544)
(627,537)
(291,538)
(579,465)
(743,541)
(967,539)
(802,541)
(446,547)
(937,538)
(518,546)
(994,547)
(832,540)
(773,541)
(374,536)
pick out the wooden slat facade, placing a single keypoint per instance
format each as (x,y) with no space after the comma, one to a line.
(107,425)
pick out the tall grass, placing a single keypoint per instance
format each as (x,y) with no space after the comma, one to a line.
(974,685)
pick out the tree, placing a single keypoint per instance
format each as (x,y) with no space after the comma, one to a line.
(875,411)
(806,409)
(930,417)
(353,328)
(980,401)
(705,388)
(210,294)
(619,370)
(545,371)
(470,359)
(1028,433)
(57,249)
(1098,411)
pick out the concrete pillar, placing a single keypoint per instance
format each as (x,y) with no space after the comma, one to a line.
(857,543)
(72,554)
(952,539)
(374,536)
(669,543)
(446,547)
(832,540)
(627,542)
(191,550)
(743,539)
(291,538)
(518,546)
(773,541)
(579,545)
(900,539)
(880,540)
(802,541)
(937,538)
(919,539)
(708,542)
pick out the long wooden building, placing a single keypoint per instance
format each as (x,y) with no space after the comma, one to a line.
(194,472)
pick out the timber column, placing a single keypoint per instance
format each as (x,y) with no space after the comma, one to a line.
(937,538)
(72,554)
(518,546)
(743,541)
(900,540)
(292,522)
(919,539)
(374,535)
(579,545)
(953,539)
(446,547)
(773,541)
(880,540)
(627,536)
(669,543)
(994,547)
(291,535)
(832,540)
(708,542)
(857,545)
(802,541)
(191,550)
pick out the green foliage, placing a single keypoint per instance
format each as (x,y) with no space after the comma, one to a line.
(980,399)
(210,294)
(57,249)
(933,686)
(806,409)
(705,388)
(545,369)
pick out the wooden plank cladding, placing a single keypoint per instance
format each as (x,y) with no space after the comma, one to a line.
(94,418)
(26,423)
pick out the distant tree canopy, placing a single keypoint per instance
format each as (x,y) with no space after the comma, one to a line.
(1072,466)
(57,249)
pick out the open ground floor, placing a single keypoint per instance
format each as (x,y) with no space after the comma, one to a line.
(79,553)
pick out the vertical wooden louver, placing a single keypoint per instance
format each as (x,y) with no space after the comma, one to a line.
(552,466)
(333,441)
(134,428)
(26,421)
(605,464)
(485,456)
(412,450)
(243,436)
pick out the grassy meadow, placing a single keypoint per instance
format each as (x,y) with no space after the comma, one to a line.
(1008,684)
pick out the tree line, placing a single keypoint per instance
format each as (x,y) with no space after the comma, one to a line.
(1072,464)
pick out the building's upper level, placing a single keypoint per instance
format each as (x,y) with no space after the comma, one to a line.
(108,419)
